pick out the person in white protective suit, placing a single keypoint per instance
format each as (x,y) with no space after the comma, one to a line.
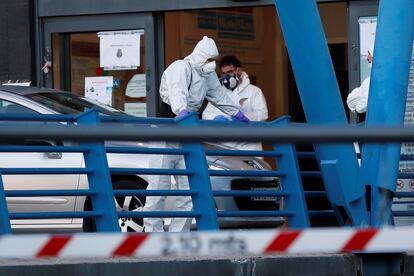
(184,86)
(358,99)
(248,97)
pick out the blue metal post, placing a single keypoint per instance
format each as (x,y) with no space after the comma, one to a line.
(99,180)
(203,201)
(5,227)
(291,182)
(321,100)
(387,100)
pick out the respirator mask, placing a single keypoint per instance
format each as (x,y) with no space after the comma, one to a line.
(230,81)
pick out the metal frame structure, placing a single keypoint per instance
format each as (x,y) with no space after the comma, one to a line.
(191,132)
(344,181)
(49,8)
(100,187)
(315,77)
(387,101)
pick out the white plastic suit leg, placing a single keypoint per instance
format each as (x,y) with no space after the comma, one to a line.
(163,182)
(157,182)
(182,203)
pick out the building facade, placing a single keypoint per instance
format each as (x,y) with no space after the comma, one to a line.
(64,39)
(17,53)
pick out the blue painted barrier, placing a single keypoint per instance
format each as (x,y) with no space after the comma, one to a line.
(100,183)
(102,194)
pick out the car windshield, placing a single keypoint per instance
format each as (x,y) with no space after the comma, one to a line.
(67,103)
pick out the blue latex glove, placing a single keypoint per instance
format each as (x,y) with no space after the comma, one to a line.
(181,115)
(240,117)
(220,118)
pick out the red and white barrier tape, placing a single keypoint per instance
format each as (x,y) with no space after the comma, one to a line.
(223,243)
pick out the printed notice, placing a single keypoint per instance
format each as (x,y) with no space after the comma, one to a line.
(136,87)
(120,50)
(99,89)
(136,109)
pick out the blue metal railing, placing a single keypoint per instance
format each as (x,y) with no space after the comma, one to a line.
(397,195)
(102,194)
(100,176)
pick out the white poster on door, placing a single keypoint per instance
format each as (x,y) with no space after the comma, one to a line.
(367,29)
(136,109)
(120,50)
(99,89)
(136,87)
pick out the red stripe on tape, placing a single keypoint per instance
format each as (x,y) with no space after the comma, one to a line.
(53,246)
(282,241)
(129,245)
(359,240)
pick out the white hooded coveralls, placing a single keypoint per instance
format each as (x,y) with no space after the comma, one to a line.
(184,85)
(358,99)
(252,103)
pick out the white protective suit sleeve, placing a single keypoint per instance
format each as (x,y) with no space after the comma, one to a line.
(217,95)
(259,110)
(358,99)
(177,81)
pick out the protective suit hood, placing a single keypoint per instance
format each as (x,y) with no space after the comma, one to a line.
(205,49)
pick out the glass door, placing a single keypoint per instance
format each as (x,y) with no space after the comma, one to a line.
(107,58)
(84,71)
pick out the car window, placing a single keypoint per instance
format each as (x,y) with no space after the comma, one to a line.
(53,104)
(7,107)
(67,103)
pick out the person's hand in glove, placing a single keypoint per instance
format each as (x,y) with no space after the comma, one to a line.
(181,115)
(240,117)
(220,118)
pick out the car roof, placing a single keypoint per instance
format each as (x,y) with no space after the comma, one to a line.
(26,90)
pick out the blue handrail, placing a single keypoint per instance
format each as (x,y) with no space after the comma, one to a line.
(99,175)
(98,172)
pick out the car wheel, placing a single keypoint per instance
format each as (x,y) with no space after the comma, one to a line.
(130,203)
(127,203)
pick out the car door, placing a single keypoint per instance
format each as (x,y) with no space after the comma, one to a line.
(18,105)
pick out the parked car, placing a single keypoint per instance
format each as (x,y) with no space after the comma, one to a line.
(33,100)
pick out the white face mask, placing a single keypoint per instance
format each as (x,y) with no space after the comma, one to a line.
(208,68)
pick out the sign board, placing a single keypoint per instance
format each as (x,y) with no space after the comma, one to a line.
(136,109)
(99,89)
(120,50)
(136,87)
(237,32)
(367,29)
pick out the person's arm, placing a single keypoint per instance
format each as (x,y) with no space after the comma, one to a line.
(259,110)
(177,85)
(217,95)
(358,99)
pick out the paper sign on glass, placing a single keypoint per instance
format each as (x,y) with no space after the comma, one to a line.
(136,86)
(136,109)
(99,89)
(120,50)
